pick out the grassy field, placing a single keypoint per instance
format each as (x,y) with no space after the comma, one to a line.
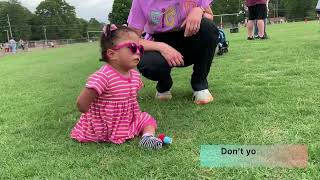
(267,92)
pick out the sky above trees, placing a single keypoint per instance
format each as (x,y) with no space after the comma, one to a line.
(85,9)
(52,19)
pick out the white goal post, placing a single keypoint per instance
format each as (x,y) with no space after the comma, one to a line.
(88,34)
(221,17)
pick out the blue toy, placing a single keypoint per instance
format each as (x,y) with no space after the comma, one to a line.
(165,139)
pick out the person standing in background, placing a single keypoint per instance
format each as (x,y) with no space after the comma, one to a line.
(13,46)
(265,21)
(6,47)
(257,11)
(22,44)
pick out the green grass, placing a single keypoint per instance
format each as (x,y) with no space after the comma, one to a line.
(267,92)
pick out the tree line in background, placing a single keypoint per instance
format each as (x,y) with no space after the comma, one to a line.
(56,19)
(291,9)
(53,19)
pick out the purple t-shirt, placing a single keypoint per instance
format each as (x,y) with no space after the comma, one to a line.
(154,16)
(254,2)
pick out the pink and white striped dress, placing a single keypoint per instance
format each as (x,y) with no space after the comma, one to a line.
(115,115)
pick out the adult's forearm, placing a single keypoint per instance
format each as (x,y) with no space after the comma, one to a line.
(207,15)
(151,45)
(147,44)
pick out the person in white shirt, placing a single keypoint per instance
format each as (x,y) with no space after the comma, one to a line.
(13,46)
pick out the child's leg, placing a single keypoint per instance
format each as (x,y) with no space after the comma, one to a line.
(149,129)
(148,126)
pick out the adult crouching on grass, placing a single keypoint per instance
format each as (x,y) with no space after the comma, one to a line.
(183,34)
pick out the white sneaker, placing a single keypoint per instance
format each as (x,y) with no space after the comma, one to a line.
(202,97)
(163,96)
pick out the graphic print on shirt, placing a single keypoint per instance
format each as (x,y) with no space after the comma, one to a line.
(165,17)
(155,17)
(170,15)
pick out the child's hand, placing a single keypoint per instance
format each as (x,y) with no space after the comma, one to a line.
(84,100)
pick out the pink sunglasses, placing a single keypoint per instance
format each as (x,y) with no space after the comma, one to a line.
(132,46)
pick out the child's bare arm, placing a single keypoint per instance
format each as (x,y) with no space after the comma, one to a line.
(86,97)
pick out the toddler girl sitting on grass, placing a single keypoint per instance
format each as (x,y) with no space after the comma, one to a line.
(109,106)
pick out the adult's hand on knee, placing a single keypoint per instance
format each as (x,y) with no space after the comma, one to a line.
(192,22)
(172,56)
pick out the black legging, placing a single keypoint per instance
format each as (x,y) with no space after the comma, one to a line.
(197,50)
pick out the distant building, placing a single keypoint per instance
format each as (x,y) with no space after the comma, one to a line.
(277,20)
